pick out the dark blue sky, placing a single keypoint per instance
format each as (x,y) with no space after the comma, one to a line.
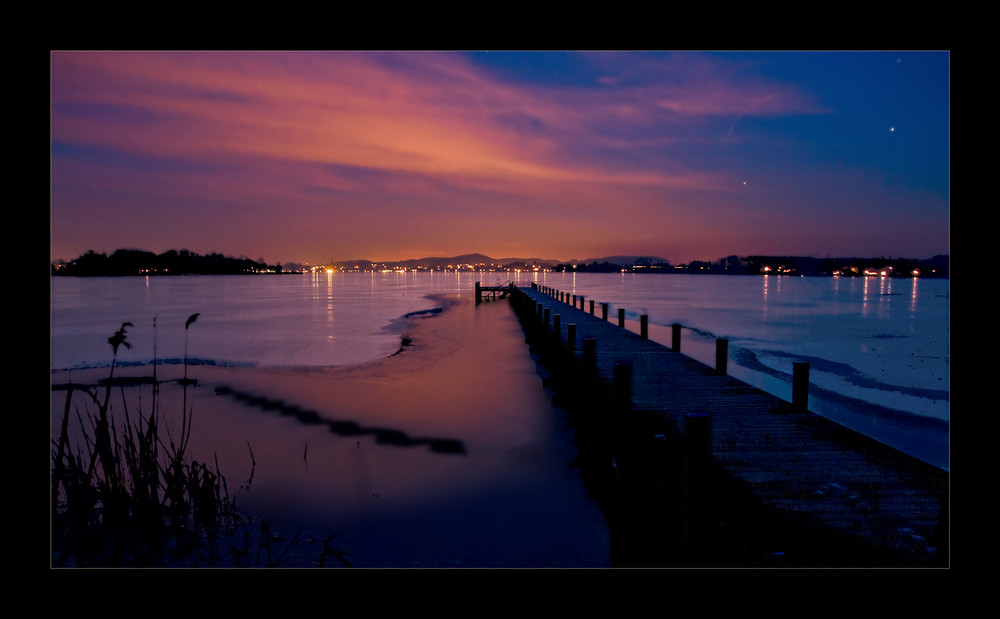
(310,156)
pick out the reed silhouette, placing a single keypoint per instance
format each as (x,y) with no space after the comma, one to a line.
(125,493)
(191,319)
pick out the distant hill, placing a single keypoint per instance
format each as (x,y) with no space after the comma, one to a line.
(441,263)
(623,260)
(482,260)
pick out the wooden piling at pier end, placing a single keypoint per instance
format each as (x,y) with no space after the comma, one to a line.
(485,293)
(697,468)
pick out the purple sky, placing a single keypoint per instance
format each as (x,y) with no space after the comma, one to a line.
(312,156)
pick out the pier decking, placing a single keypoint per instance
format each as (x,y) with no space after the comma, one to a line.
(794,462)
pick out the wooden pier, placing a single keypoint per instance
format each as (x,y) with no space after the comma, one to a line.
(768,482)
(501,291)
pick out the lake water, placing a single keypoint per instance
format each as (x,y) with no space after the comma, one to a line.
(878,348)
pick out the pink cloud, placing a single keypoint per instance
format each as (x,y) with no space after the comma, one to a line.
(351,109)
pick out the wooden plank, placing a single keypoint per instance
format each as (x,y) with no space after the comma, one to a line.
(794,460)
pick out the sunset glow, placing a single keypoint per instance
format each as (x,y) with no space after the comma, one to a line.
(309,157)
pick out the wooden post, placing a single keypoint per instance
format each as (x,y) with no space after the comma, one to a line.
(621,317)
(698,430)
(479,293)
(539,306)
(547,313)
(590,352)
(604,311)
(623,385)
(698,439)
(644,327)
(574,300)
(571,335)
(676,344)
(581,302)
(800,386)
(591,307)
(721,355)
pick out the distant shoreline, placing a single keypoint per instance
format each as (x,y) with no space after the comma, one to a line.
(672,271)
(126,262)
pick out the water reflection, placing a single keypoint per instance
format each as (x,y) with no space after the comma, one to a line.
(383,436)
(329,302)
(766,277)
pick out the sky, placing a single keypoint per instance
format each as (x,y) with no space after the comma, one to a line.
(309,157)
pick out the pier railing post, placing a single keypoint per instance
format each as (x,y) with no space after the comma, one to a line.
(581,302)
(623,385)
(644,327)
(590,353)
(676,343)
(604,311)
(621,317)
(479,293)
(800,385)
(591,307)
(698,430)
(721,355)
(698,438)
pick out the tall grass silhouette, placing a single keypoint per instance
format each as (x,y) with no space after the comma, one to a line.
(125,492)
(187,324)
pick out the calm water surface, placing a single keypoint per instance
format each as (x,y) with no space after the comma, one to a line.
(878,348)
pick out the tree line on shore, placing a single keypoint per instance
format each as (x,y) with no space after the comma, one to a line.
(138,262)
(781,265)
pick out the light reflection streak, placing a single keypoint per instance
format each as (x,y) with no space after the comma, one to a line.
(329,303)
(864,298)
(884,300)
(764,304)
